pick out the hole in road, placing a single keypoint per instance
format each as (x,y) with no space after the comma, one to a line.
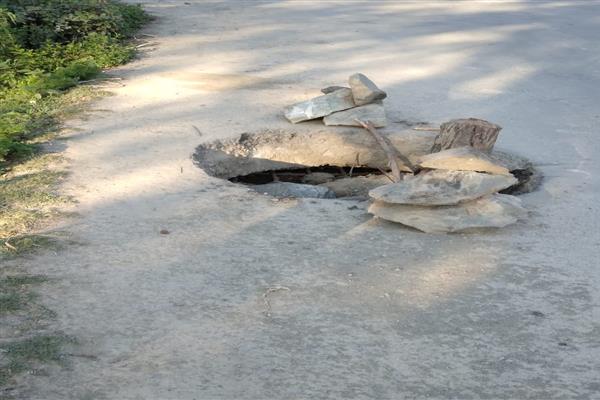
(324,164)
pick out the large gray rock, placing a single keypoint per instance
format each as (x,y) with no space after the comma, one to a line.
(441,187)
(371,112)
(357,186)
(320,106)
(345,146)
(289,189)
(462,159)
(493,211)
(364,90)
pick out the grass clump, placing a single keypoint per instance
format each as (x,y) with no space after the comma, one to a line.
(28,201)
(47,47)
(23,355)
(14,292)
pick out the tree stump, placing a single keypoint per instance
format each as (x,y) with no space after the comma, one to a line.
(472,132)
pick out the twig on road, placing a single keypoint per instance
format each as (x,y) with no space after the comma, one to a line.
(397,161)
(269,290)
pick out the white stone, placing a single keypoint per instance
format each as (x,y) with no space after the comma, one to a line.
(441,187)
(320,106)
(371,112)
(495,211)
(462,159)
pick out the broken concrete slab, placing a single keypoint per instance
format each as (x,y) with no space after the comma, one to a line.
(331,89)
(357,186)
(494,211)
(284,149)
(442,187)
(371,112)
(289,189)
(320,106)
(462,159)
(364,90)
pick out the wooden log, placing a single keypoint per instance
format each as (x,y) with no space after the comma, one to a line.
(472,132)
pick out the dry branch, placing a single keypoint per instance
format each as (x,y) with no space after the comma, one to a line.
(397,161)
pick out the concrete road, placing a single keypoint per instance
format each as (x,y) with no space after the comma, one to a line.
(372,310)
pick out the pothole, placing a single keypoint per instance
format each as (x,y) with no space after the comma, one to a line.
(326,164)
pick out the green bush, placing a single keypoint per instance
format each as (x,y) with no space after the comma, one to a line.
(48,46)
(64,21)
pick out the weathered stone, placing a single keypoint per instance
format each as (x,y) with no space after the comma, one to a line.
(493,211)
(462,159)
(320,106)
(466,132)
(331,89)
(288,189)
(364,90)
(371,112)
(345,146)
(357,186)
(441,187)
(316,178)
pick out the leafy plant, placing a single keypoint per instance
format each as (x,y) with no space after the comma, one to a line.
(47,47)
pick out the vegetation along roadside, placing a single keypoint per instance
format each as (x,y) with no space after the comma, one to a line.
(47,49)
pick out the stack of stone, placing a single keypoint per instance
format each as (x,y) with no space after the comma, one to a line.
(343,105)
(456,190)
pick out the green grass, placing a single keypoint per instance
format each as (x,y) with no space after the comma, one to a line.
(28,202)
(25,354)
(20,245)
(14,292)
(48,47)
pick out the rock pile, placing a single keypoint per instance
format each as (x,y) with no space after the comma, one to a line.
(343,105)
(455,190)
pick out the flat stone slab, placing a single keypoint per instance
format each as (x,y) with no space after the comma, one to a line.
(371,112)
(441,187)
(495,211)
(344,146)
(289,189)
(364,90)
(320,106)
(462,159)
